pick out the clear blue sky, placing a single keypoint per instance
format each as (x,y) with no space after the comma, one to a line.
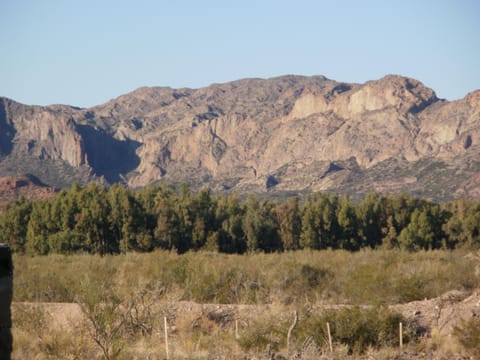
(86,52)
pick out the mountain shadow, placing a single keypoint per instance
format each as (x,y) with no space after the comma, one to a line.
(109,157)
(7,131)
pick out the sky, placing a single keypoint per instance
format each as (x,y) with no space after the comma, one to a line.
(84,53)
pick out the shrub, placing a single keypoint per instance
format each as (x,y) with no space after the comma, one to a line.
(264,332)
(468,334)
(300,277)
(105,315)
(302,282)
(357,328)
(37,336)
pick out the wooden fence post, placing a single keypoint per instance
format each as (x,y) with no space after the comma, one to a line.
(166,335)
(400,334)
(290,330)
(329,338)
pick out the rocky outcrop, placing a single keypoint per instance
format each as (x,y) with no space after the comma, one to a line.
(40,131)
(28,186)
(306,133)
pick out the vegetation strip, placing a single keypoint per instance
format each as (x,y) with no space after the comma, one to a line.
(116,220)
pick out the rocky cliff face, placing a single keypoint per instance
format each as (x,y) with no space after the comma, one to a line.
(43,132)
(290,133)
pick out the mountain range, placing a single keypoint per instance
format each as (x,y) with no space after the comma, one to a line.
(289,134)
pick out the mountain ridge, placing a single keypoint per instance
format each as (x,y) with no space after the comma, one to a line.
(289,133)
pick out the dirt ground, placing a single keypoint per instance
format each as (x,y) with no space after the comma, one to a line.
(442,313)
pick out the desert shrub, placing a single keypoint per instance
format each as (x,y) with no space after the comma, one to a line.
(357,328)
(131,283)
(224,279)
(411,288)
(217,287)
(468,334)
(378,277)
(204,335)
(45,279)
(56,278)
(37,336)
(265,332)
(300,277)
(440,343)
(296,282)
(368,284)
(105,314)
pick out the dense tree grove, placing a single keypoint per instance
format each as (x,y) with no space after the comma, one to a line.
(94,219)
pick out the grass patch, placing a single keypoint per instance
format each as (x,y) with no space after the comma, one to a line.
(301,277)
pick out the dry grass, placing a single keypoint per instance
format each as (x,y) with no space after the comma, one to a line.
(302,277)
(152,286)
(443,345)
(40,334)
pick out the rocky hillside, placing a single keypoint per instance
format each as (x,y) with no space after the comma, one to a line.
(12,187)
(290,133)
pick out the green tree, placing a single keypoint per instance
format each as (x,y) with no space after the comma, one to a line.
(13,224)
(347,220)
(251,224)
(92,221)
(65,242)
(463,225)
(371,220)
(65,209)
(259,226)
(311,226)
(400,208)
(229,215)
(38,229)
(320,228)
(202,208)
(169,232)
(128,220)
(424,230)
(289,223)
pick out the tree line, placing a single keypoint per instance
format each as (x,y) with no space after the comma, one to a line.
(99,220)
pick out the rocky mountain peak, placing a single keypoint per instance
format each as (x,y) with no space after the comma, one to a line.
(381,135)
(406,94)
(473,99)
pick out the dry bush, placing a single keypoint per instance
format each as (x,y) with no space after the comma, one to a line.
(302,277)
(36,336)
(264,332)
(443,346)
(468,335)
(357,328)
(136,285)
(376,277)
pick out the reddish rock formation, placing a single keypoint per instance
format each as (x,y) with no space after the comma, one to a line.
(12,187)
